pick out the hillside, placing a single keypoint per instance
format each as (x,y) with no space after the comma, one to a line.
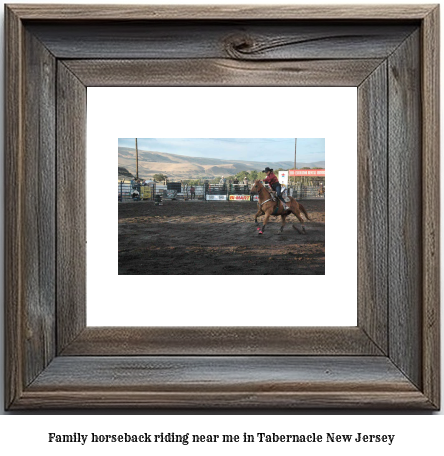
(183,167)
(124,174)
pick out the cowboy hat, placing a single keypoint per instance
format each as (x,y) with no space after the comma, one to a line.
(267,169)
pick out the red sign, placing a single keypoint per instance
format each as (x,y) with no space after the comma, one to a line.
(239,198)
(307,172)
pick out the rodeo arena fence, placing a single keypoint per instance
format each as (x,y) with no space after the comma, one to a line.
(130,191)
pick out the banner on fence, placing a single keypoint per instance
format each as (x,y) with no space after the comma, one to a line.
(283,177)
(239,197)
(306,172)
(216,197)
(170,193)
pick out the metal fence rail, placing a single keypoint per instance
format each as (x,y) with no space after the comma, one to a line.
(216,189)
(208,192)
(199,192)
(238,189)
(307,192)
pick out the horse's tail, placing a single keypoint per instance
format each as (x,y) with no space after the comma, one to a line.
(302,208)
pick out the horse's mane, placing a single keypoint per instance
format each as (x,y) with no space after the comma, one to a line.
(258,181)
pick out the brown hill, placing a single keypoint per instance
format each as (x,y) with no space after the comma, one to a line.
(183,167)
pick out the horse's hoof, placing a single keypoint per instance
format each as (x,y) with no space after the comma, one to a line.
(260,232)
(258,228)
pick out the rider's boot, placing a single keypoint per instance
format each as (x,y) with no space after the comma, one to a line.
(286,208)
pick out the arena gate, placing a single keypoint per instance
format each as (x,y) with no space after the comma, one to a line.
(128,191)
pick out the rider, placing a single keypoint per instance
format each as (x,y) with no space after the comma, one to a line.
(273,182)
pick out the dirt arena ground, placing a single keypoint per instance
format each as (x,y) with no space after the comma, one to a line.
(196,237)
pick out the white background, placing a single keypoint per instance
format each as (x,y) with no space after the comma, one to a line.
(153,300)
(417,433)
(413,434)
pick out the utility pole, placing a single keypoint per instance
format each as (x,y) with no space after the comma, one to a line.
(137,161)
(295,147)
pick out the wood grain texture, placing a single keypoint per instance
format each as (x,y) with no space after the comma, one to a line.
(13,209)
(323,400)
(431,205)
(405,209)
(236,40)
(221,72)
(372,207)
(290,382)
(220,12)
(39,207)
(71,206)
(127,341)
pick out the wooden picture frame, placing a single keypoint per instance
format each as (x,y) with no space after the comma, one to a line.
(390,360)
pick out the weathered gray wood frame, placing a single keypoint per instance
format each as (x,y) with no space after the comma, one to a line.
(390,360)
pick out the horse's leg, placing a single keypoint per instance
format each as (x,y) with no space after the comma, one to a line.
(283,217)
(258,214)
(267,216)
(297,213)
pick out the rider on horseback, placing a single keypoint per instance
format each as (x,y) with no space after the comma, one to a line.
(273,182)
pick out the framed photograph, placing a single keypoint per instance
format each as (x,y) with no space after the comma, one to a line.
(389,359)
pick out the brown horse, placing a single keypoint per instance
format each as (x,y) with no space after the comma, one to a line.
(268,207)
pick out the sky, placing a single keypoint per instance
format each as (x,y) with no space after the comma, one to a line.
(308,150)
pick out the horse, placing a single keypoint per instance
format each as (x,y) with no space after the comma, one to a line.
(268,207)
